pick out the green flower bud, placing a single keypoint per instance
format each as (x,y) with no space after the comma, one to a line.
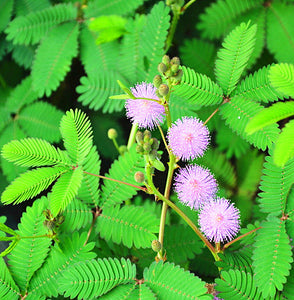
(147,148)
(174,68)
(156,245)
(112,134)
(122,149)
(139,137)
(177,78)
(162,68)
(147,135)
(163,89)
(166,60)
(139,149)
(139,177)
(153,155)
(157,81)
(155,144)
(175,61)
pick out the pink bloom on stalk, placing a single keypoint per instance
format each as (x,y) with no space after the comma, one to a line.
(219,220)
(146,113)
(195,186)
(188,138)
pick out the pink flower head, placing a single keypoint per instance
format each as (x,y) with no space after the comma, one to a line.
(219,220)
(146,113)
(188,138)
(195,186)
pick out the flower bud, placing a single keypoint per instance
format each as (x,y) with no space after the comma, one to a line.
(153,155)
(139,137)
(122,149)
(163,89)
(139,177)
(174,68)
(147,135)
(155,144)
(156,245)
(177,78)
(162,68)
(175,61)
(112,134)
(157,81)
(147,147)
(139,149)
(166,60)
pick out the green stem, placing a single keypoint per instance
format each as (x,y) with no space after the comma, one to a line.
(176,17)
(116,145)
(132,137)
(184,8)
(180,213)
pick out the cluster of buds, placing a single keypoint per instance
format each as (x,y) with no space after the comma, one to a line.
(51,222)
(148,146)
(169,69)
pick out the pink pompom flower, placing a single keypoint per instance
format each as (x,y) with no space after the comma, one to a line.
(195,186)
(219,220)
(146,113)
(188,138)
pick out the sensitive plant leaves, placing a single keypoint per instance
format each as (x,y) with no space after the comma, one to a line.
(171,282)
(31,28)
(91,279)
(234,56)
(5,13)
(24,7)
(130,225)
(271,267)
(281,77)
(53,58)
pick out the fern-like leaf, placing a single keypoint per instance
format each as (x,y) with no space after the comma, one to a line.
(5,13)
(8,288)
(77,215)
(41,120)
(97,88)
(30,184)
(153,38)
(258,87)
(282,78)
(275,186)
(53,58)
(22,95)
(168,281)
(268,116)
(29,254)
(238,113)
(71,250)
(181,243)
(24,55)
(236,285)
(65,190)
(124,291)
(234,56)
(130,225)
(280,26)
(30,29)
(91,279)
(271,267)
(198,88)
(24,7)
(122,169)
(76,131)
(121,7)
(221,14)
(284,149)
(198,55)
(89,190)
(32,152)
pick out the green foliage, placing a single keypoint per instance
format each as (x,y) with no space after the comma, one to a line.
(52,63)
(198,89)
(233,57)
(122,169)
(275,185)
(109,28)
(5,13)
(281,77)
(31,28)
(89,279)
(175,283)
(130,225)
(271,271)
